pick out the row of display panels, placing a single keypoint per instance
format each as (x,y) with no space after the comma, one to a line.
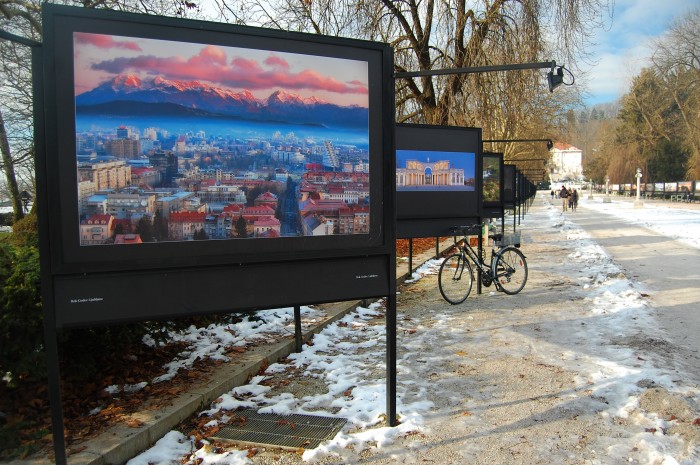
(660,188)
(223,164)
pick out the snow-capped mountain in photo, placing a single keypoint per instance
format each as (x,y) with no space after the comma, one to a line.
(130,95)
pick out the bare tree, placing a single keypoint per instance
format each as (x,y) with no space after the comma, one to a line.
(677,62)
(429,35)
(19,18)
(23,18)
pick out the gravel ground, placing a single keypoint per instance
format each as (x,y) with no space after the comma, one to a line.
(499,394)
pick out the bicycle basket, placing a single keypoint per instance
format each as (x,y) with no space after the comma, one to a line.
(510,239)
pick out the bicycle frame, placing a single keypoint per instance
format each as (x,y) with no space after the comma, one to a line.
(466,249)
(486,273)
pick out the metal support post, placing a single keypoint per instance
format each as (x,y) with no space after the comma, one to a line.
(298,339)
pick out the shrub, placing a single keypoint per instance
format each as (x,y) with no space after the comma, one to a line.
(21,327)
(25,232)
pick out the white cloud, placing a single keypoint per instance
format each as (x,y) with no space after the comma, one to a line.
(624,47)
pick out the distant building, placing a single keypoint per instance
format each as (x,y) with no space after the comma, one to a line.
(125,205)
(178,201)
(316,225)
(566,163)
(165,162)
(105,175)
(330,157)
(127,239)
(263,226)
(123,132)
(124,149)
(218,226)
(183,225)
(267,198)
(97,229)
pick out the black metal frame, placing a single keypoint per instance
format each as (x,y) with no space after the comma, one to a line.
(433,213)
(374,267)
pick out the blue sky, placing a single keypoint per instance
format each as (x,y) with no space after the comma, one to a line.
(624,46)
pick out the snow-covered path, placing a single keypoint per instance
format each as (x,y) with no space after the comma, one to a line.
(573,370)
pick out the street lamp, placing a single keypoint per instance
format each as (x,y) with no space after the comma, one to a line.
(606,199)
(638,202)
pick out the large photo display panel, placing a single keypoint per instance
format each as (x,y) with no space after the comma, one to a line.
(509,177)
(236,144)
(492,185)
(437,171)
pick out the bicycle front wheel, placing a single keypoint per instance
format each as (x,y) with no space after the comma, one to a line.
(510,270)
(455,279)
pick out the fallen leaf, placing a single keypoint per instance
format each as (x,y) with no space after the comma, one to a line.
(134,423)
(75,450)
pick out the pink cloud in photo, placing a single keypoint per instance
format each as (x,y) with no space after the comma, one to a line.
(102,57)
(105,42)
(210,65)
(277,62)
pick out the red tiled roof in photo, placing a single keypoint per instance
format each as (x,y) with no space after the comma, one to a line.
(187,217)
(98,219)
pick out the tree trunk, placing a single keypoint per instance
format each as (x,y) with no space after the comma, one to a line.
(8,167)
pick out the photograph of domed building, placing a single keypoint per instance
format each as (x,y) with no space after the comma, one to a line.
(434,171)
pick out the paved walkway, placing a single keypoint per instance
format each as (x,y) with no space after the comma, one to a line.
(668,269)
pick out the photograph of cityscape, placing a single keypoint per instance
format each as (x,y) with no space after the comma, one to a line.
(179,141)
(419,170)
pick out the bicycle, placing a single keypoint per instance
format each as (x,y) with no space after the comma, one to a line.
(507,269)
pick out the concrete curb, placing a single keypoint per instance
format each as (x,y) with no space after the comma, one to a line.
(121,443)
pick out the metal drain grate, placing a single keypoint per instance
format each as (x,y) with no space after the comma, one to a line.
(285,431)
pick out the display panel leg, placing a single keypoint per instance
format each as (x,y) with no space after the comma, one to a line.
(480,251)
(410,258)
(391,360)
(298,341)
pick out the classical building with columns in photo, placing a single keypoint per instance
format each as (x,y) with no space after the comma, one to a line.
(427,173)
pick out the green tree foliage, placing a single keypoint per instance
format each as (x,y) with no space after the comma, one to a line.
(160,226)
(241,230)
(25,232)
(21,327)
(144,228)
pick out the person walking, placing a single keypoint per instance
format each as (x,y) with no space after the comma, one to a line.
(571,198)
(564,196)
(552,194)
(574,200)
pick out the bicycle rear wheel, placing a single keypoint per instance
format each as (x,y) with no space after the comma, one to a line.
(455,279)
(510,270)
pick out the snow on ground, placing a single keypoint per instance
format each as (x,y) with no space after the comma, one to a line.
(344,362)
(678,223)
